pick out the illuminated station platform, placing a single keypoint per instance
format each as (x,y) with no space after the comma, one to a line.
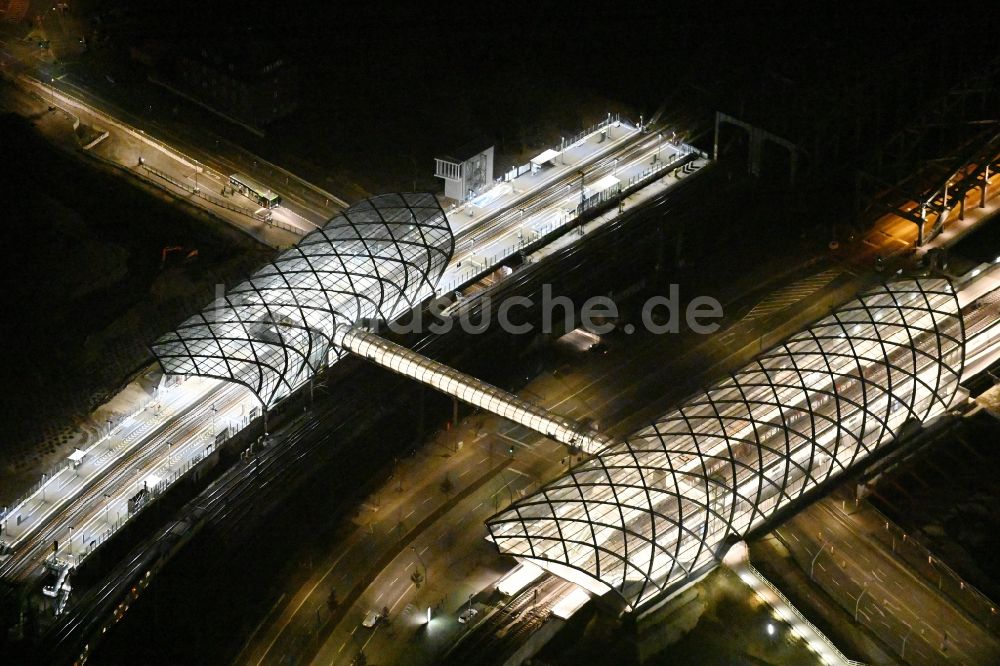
(495,218)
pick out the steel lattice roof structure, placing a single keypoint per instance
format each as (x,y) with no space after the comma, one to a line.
(271,333)
(651,513)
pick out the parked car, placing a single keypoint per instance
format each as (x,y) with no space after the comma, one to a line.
(599,348)
(467,615)
(371,619)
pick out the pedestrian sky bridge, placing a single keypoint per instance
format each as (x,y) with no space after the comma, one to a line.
(469,389)
(299,313)
(650,514)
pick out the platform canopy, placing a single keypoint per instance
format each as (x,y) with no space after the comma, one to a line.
(649,514)
(271,333)
(546,156)
(603,183)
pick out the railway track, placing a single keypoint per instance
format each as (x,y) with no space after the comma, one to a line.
(602,164)
(508,623)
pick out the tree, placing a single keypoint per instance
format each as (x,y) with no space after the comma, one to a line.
(332,601)
(446,485)
(417,578)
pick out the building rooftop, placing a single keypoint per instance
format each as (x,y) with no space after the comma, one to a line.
(243,60)
(468,149)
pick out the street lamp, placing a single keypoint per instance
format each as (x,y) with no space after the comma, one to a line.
(857,604)
(902,651)
(507,483)
(812,565)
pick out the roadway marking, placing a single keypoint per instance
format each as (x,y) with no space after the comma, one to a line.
(512,440)
(391,608)
(412,511)
(342,647)
(464,473)
(426,500)
(405,592)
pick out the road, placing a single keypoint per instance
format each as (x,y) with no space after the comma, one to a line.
(61,61)
(185,159)
(905,611)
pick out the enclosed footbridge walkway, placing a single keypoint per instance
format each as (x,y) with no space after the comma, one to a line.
(469,389)
(298,314)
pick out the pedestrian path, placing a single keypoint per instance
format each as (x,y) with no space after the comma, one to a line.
(787,296)
(738,559)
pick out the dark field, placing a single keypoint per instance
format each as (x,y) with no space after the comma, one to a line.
(85,287)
